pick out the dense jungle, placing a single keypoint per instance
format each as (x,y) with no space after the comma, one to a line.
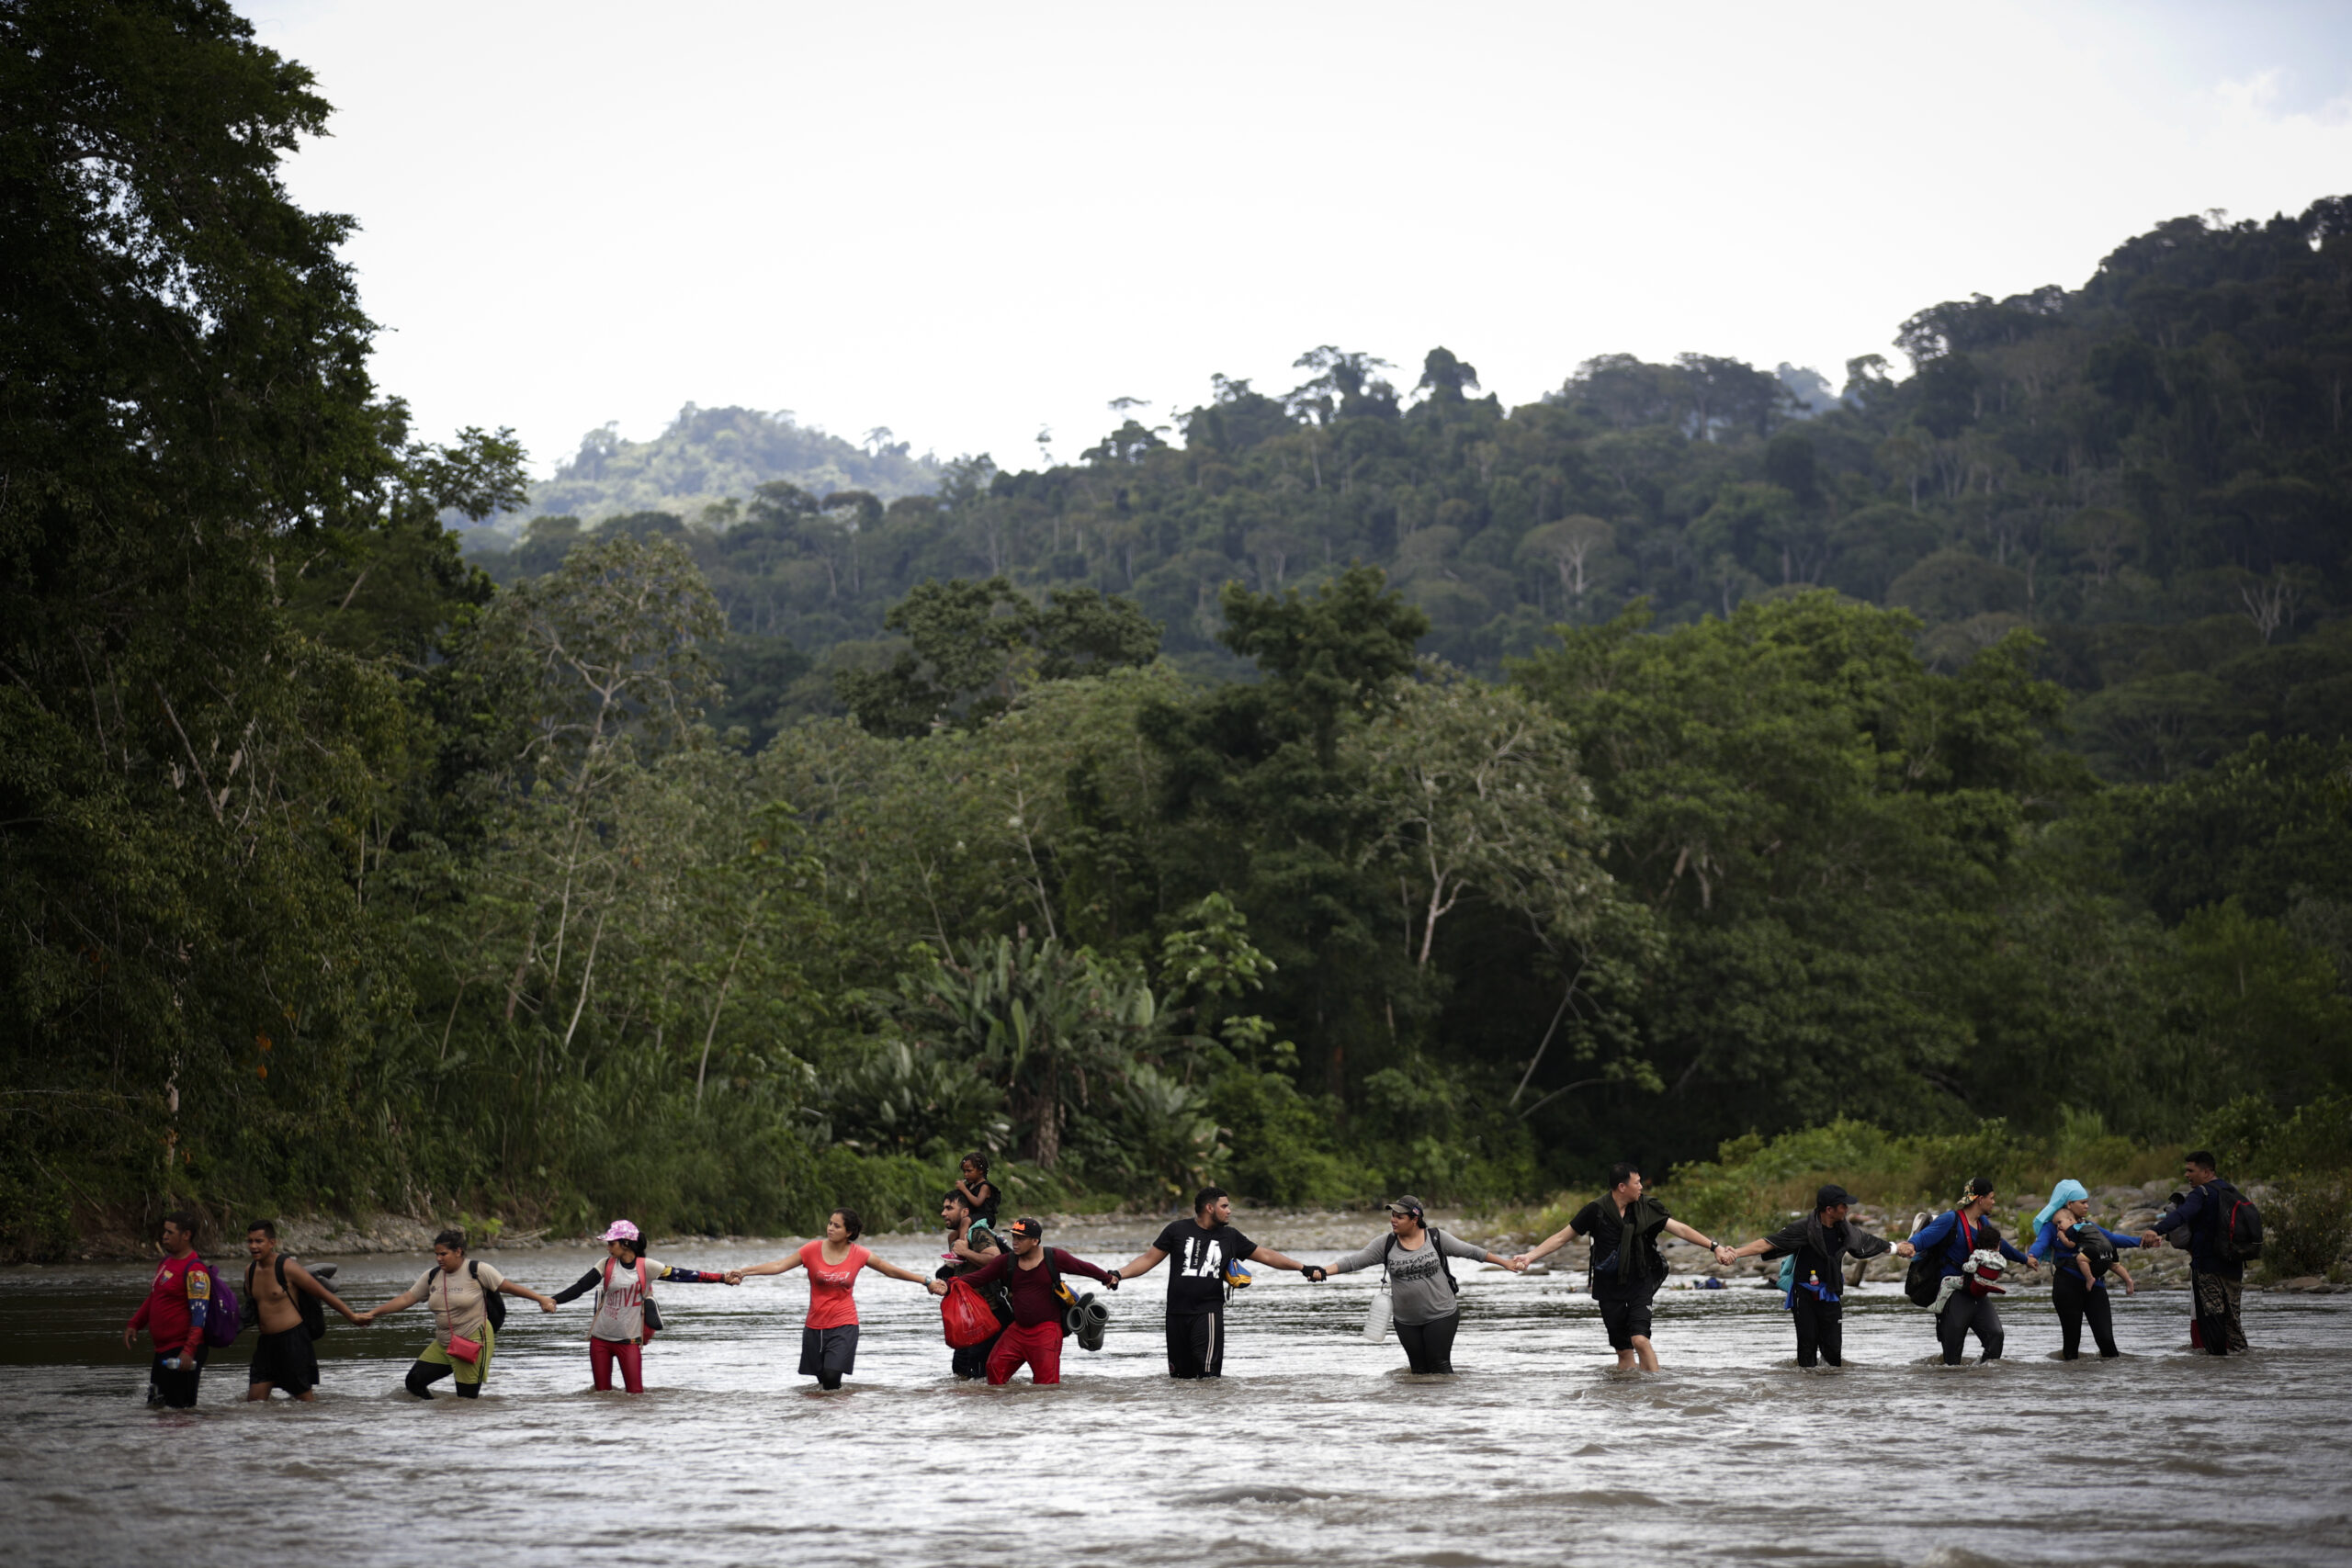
(1334,791)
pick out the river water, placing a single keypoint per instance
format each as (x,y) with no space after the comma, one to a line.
(1315,1447)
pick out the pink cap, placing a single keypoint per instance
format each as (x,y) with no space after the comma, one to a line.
(621,1231)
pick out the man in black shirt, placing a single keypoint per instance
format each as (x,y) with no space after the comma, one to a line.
(1816,1285)
(1204,1248)
(1626,1269)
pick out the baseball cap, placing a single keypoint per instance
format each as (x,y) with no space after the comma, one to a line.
(1028,1227)
(1830,1196)
(619,1230)
(1408,1204)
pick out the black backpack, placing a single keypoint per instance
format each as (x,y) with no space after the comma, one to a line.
(312,1310)
(494,1305)
(1923,1282)
(2237,1231)
(1442,1265)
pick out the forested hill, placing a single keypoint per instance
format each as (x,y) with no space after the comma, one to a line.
(334,872)
(709,458)
(2150,471)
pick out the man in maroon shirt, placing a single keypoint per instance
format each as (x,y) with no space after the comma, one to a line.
(172,1315)
(1031,1275)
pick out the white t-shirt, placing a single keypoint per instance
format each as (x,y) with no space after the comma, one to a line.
(620,1310)
(455,1299)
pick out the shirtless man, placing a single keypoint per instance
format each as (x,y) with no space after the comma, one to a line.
(283,1357)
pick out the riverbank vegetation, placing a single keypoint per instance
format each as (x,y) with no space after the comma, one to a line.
(1366,790)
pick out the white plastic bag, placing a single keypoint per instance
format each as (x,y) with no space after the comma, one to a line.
(1375,1321)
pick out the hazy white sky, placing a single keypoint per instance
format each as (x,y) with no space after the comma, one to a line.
(970,222)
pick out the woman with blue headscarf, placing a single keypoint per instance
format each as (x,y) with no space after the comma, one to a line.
(2069,1207)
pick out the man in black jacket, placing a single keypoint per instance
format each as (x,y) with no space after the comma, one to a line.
(2217,1283)
(1821,1245)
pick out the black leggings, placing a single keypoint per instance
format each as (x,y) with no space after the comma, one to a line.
(1821,1329)
(423,1375)
(1964,1314)
(1428,1347)
(2076,1301)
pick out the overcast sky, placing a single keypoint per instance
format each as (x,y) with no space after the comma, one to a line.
(968,222)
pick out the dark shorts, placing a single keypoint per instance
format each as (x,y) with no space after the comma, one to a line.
(1624,1311)
(286,1360)
(826,1351)
(1196,1344)
(176,1389)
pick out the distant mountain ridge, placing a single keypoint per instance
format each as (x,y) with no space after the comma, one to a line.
(709,457)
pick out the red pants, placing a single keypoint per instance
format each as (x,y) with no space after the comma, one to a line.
(603,1353)
(1039,1344)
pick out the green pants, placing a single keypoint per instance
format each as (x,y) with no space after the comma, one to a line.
(437,1355)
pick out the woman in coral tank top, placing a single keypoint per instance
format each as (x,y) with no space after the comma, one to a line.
(828,1339)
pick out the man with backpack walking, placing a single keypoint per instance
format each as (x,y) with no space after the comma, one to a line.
(174,1315)
(1033,1273)
(287,1316)
(2224,1235)
(972,1246)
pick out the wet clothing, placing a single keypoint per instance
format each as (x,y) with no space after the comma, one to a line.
(831,1304)
(2220,1301)
(1606,1226)
(603,1353)
(2053,1245)
(1037,1344)
(1625,1309)
(2075,1302)
(1198,1257)
(285,1359)
(174,1389)
(1965,1313)
(1428,1347)
(1821,1328)
(1417,1290)
(971,1362)
(177,1303)
(620,1305)
(1196,1344)
(1816,1294)
(456,1299)
(1821,1251)
(828,1355)
(1954,1238)
(1033,1293)
(435,1362)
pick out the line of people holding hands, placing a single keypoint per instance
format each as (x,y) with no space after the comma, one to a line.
(1027,1285)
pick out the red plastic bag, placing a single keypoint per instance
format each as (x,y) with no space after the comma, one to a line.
(966,1315)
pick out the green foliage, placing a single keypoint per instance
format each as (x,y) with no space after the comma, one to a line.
(1756,1183)
(2307,1227)
(972,645)
(335,871)
(708,457)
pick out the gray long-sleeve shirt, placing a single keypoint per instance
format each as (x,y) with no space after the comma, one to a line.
(1416,1283)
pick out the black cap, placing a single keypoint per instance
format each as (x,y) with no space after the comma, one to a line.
(1408,1204)
(1028,1227)
(1830,1196)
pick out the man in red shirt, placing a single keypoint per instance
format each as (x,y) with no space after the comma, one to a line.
(1031,1275)
(172,1315)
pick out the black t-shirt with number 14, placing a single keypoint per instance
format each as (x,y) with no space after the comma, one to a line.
(1197,1257)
